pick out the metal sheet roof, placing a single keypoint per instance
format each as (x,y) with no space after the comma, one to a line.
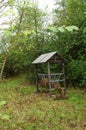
(43,58)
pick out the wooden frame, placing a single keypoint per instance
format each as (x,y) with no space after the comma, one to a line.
(50,58)
(49,75)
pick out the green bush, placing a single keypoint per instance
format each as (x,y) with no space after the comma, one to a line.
(76,72)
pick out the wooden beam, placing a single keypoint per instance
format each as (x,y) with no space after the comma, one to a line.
(49,78)
(37,87)
(64,79)
(55,61)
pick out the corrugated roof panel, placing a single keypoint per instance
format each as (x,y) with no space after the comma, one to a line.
(48,56)
(43,58)
(38,59)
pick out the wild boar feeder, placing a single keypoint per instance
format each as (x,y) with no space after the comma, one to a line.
(51,58)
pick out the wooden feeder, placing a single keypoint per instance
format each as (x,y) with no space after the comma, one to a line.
(50,58)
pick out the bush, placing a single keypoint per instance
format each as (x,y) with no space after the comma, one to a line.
(76,72)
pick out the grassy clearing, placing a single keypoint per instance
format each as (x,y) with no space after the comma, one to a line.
(22,109)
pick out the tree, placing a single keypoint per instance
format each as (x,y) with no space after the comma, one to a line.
(24,32)
(73,12)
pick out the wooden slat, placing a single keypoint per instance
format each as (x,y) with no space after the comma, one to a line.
(60,80)
(49,77)
(52,89)
(54,74)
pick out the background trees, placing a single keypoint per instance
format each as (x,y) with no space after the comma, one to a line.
(73,12)
(23,37)
(29,35)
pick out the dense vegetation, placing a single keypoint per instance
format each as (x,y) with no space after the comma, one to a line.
(30,35)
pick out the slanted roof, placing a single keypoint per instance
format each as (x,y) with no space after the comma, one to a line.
(53,56)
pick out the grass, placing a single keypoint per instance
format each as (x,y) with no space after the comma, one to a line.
(22,109)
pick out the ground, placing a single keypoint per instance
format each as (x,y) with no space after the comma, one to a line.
(22,109)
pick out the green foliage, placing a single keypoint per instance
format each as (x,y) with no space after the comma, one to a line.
(11,2)
(21,40)
(63,29)
(77,72)
(71,43)
(71,28)
(5,117)
(28,37)
(2,103)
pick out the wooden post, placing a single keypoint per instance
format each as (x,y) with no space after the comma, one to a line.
(37,87)
(49,78)
(64,79)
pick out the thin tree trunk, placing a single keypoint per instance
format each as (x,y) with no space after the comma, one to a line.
(9,50)
(36,28)
(2,68)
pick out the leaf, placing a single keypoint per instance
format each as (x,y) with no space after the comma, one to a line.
(84,30)
(11,2)
(54,29)
(2,103)
(20,49)
(6,117)
(33,32)
(61,29)
(71,28)
(26,32)
(8,33)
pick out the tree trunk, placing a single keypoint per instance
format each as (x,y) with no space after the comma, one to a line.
(11,47)
(2,68)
